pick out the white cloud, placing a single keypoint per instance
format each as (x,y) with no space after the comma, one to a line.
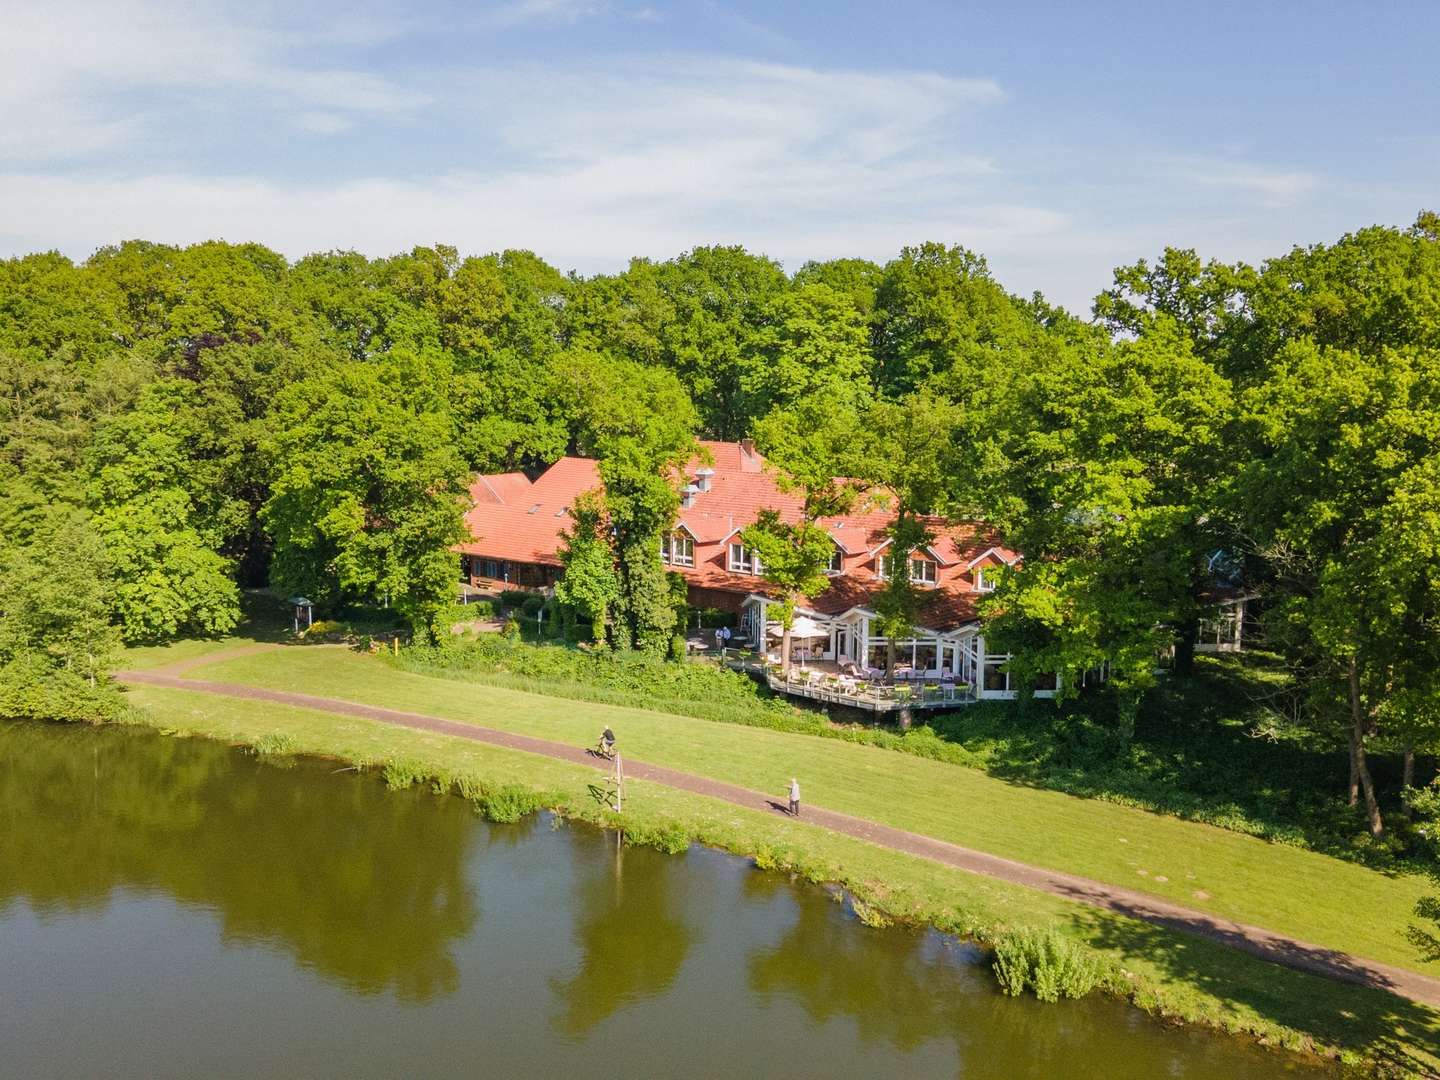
(78,77)
(1273,187)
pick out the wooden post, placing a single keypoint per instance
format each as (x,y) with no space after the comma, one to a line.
(619,784)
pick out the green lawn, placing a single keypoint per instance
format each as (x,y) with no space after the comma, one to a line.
(1304,894)
(1169,974)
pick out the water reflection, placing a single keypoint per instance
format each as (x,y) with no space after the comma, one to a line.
(374,900)
(624,956)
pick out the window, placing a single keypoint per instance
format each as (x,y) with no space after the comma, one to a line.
(743,560)
(985,582)
(677,548)
(996,678)
(836,565)
(922,571)
(882,566)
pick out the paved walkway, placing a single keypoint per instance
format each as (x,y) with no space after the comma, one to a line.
(1265,944)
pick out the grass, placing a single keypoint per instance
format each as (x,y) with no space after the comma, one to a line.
(1170,975)
(1307,895)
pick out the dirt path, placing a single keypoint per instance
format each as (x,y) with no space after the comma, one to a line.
(1254,940)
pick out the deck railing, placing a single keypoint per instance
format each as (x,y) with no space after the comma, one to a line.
(870,695)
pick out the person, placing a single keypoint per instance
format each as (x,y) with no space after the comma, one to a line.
(719,639)
(794,797)
(607,741)
(725,632)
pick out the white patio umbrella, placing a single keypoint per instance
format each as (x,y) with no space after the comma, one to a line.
(805,627)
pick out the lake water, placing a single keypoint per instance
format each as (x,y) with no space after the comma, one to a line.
(174,907)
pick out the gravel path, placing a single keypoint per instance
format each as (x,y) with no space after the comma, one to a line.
(1265,944)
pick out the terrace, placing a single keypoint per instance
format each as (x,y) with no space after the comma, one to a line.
(824,681)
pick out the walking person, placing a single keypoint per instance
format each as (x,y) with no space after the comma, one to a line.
(794,797)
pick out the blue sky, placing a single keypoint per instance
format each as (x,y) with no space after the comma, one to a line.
(1059,139)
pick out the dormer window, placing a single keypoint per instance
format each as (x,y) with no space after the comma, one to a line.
(742,560)
(882,566)
(836,565)
(677,549)
(923,571)
(985,579)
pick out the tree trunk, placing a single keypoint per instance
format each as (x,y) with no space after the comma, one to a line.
(785,651)
(1373,819)
(1185,638)
(1354,775)
(1407,768)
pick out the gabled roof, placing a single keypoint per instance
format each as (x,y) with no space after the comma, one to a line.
(1005,555)
(499,488)
(524,522)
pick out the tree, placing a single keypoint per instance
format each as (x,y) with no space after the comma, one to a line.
(908,454)
(806,447)
(589,584)
(811,342)
(1336,495)
(56,640)
(640,423)
(366,502)
(1098,463)
(793,557)
(938,308)
(161,511)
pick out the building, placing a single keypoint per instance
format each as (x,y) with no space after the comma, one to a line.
(517,527)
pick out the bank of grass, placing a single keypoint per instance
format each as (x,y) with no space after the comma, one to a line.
(1306,895)
(1194,754)
(1172,976)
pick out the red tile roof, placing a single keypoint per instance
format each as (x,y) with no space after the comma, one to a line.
(522,521)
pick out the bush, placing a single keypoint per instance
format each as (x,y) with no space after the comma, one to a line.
(531,605)
(669,837)
(710,618)
(474,610)
(273,743)
(1046,963)
(677,647)
(513,598)
(507,804)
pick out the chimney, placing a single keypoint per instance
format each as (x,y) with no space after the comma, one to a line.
(687,494)
(750,461)
(702,477)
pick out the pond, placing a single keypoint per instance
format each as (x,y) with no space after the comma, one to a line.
(173,907)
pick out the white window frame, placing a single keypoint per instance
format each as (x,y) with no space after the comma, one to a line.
(836,566)
(984,582)
(882,566)
(741,560)
(920,579)
(673,549)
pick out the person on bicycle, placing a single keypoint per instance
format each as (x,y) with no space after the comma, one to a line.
(607,741)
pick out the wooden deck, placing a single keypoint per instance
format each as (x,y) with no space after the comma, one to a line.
(877,697)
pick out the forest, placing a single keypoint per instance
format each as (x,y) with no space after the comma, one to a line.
(178,425)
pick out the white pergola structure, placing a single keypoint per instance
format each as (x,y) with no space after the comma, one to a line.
(929,653)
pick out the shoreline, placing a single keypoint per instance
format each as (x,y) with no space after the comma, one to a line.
(672,824)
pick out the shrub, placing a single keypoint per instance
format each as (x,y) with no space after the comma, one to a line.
(273,743)
(511,630)
(1046,963)
(403,772)
(531,605)
(677,647)
(324,628)
(507,804)
(513,598)
(670,837)
(474,610)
